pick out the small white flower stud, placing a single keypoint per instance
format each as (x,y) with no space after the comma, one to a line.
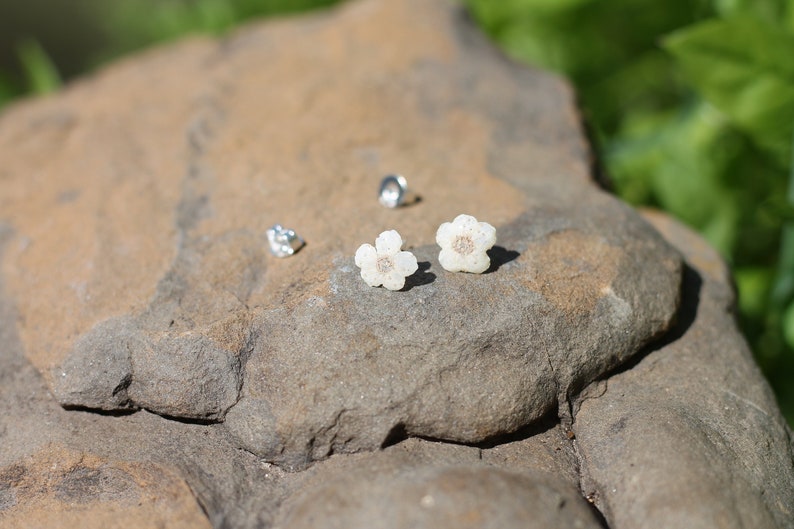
(464,243)
(384,264)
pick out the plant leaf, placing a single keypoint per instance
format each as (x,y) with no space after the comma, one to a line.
(788,325)
(745,68)
(41,73)
(773,11)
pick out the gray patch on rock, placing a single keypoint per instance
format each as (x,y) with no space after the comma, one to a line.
(183,355)
(104,484)
(9,480)
(69,196)
(8,497)
(98,372)
(188,375)
(257,436)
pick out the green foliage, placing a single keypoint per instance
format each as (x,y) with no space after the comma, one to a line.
(132,24)
(8,89)
(692,103)
(42,75)
(100,30)
(744,67)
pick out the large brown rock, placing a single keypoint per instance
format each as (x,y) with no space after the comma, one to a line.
(241,391)
(147,284)
(690,435)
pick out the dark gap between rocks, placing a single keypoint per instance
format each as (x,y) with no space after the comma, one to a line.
(542,425)
(399,433)
(188,420)
(396,435)
(597,514)
(123,412)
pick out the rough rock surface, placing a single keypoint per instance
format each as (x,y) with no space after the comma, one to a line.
(683,438)
(135,280)
(398,492)
(153,287)
(59,488)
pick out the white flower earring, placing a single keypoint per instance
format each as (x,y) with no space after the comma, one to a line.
(464,243)
(385,264)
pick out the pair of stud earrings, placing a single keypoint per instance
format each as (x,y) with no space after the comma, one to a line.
(464,245)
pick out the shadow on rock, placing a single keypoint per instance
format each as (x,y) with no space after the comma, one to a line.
(546,423)
(420,277)
(399,433)
(500,256)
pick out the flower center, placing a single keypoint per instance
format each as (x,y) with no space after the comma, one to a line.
(385,265)
(463,245)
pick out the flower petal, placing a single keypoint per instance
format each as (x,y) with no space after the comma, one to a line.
(405,263)
(366,255)
(388,242)
(371,276)
(475,263)
(446,234)
(465,222)
(450,260)
(486,236)
(393,280)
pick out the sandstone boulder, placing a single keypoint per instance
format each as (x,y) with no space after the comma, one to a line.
(148,284)
(158,366)
(690,435)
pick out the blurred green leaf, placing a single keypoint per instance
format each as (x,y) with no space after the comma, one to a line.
(783,292)
(779,209)
(132,24)
(771,11)
(745,68)
(753,284)
(788,19)
(681,158)
(617,66)
(788,325)
(215,16)
(41,73)
(646,85)
(506,11)
(8,90)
